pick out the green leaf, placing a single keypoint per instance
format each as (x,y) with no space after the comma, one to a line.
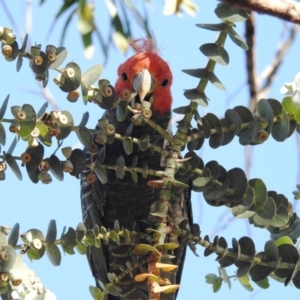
(215,81)
(196,96)
(2,135)
(144,249)
(54,254)
(101,173)
(52,232)
(61,54)
(260,191)
(27,125)
(13,165)
(56,167)
(96,293)
(215,52)
(127,145)
(237,39)
(198,73)
(213,27)
(245,283)
(228,13)
(284,240)
(19,63)
(120,171)
(263,284)
(91,75)
(287,104)
(3,107)
(85,136)
(81,248)
(14,235)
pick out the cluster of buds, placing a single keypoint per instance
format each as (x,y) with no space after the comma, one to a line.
(145,113)
(105,132)
(9,46)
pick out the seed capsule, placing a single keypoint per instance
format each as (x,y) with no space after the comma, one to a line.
(16,282)
(7,50)
(25,157)
(2,166)
(37,60)
(125,94)
(68,166)
(73,96)
(36,244)
(4,276)
(69,72)
(106,91)
(4,256)
(44,166)
(110,129)
(91,178)
(146,113)
(21,115)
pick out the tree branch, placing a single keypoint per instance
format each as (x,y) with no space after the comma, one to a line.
(282,9)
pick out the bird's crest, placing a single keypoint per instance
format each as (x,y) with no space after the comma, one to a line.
(140,45)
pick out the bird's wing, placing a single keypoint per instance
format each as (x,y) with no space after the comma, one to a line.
(92,205)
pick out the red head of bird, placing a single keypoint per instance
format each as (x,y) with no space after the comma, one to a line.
(147,74)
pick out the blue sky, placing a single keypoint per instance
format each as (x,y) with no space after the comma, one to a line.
(33,206)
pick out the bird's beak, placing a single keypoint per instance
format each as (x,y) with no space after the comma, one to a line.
(142,83)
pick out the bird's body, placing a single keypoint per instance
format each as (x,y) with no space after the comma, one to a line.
(123,200)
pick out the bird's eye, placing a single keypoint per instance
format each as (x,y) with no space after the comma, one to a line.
(124,76)
(165,82)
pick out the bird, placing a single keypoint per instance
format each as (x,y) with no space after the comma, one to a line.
(147,76)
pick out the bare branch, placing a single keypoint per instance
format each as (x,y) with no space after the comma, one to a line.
(283,9)
(250,61)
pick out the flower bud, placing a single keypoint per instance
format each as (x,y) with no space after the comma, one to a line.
(66,151)
(33,142)
(68,166)
(59,80)
(45,177)
(5,229)
(10,38)
(145,104)
(14,127)
(137,120)
(26,237)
